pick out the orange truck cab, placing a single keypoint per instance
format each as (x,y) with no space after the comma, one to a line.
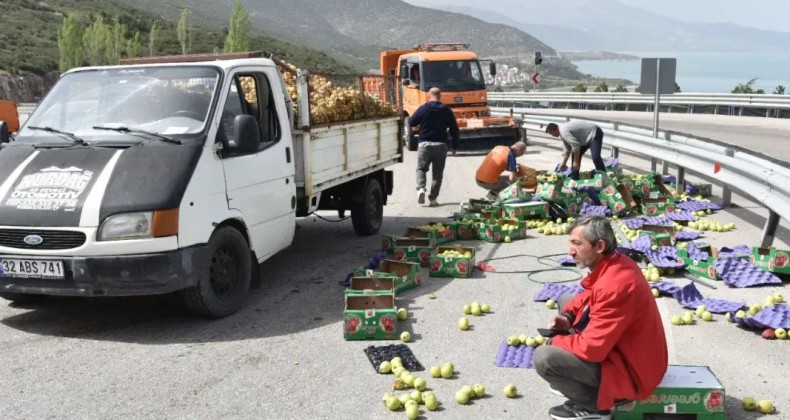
(457,72)
(9,120)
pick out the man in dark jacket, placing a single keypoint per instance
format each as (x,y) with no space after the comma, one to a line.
(434,119)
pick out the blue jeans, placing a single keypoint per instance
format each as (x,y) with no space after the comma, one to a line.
(594,147)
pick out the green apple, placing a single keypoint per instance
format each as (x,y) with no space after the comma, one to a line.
(475,303)
(447,371)
(386,397)
(780,333)
(510,391)
(436,372)
(420,384)
(409,379)
(467,309)
(402,314)
(770,301)
(411,401)
(476,311)
(707,316)
(404,398)
(540,340)
(740,314)
(394,403)
(765,407)
(412,412)
(728,316)
(551,304)
(508,240)
(513,341)
(405,336)
(396,361)
(522,338)
(479,390)
(431,403)
(656,293)
(778,298)
(486,308)
(531,342)
(688,318)
(402,372)
(463,323)
(754,309)
(468,390)
(749,404)
(416,396)
(461,397)
(677,320)
(385,367)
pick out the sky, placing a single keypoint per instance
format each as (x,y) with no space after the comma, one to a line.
(763,14)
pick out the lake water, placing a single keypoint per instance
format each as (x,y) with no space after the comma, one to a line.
(704,72)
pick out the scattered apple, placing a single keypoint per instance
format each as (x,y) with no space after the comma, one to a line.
(431,403)
(436,372)
(479,390)
(531,342)
(540,340)
(700,310)
(508,240)
(728,316)
(420,384)
(402,314)
(707,316)
(405,336)
(778,298)
(768,334)
(765,407)
(551,304)
(486,308)
(393,403)
(476,311)
(780,333)
(522,338)
(385,367)
(404,399)
(461,397)
(513,341)
(754,309)
(416,395)
(656,293)
(688,318)
(447,370)
(510,391)
(463,323)
(749,404)
(412,412)
(677,320)
(467,309)
(740,314)
(396,361)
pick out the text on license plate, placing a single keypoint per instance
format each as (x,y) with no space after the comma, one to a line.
(47,269)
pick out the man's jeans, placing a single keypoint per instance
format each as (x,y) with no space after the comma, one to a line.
(431,155)
(594,147)
(496,187)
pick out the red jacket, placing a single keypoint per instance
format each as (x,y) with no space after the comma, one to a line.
(624,334)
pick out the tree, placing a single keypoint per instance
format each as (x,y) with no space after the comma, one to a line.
(133,45)
(747,88)
(239,33)
(620,88)
(152,39)
(780,90)
(183,32)
(581,87)
(119,42)
(603,87)
(96,40)
(70,43)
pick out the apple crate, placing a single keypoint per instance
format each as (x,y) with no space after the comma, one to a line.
(416,250)
(596,179)
(617,198)
(388,243)
(771,259)
(530,210)
(572,203)
(513,192)
(705,268)
(476,205)
(662,235)
(462,215)
(503,228)
(550,190)
(465,229)
(371,286)
(450,265)
(439,232)
(416,233)
(685,392)
(370,318)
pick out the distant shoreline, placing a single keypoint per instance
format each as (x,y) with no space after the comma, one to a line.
(597,56)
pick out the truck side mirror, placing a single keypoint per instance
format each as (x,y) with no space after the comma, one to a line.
(492,68)
(406,82)
(248,134)
(4,137)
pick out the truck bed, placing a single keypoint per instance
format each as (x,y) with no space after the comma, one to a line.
(326,156)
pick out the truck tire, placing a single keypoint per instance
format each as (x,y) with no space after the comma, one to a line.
(224,283)
(408,136)
(367,214)
(23,298)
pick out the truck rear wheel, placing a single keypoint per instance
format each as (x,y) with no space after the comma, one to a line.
(224,282)
(408,135)
(23,298)
(367,214)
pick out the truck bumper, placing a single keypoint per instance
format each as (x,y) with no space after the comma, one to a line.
(117,275)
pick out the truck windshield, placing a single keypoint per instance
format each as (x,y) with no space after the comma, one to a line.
(453,75)
(163,100)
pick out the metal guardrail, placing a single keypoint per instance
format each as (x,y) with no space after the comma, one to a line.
(766,180)
(689,100)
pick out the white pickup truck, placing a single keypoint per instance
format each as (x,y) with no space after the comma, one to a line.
(177,174)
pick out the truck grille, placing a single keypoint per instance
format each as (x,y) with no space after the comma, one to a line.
(51,239)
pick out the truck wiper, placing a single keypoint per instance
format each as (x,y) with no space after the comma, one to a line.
(125,129)
(71,136)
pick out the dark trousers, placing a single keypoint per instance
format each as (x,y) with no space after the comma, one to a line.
(595,148)
(575,378)
(431,155)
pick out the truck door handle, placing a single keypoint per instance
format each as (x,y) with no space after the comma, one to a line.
(288,154)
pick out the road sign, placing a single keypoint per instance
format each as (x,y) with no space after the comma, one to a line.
(658,70)
(535,77)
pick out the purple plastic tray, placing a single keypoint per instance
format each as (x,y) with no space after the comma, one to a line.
(634,223)
(736,251)
(656,220)
(566,260)
(775,316)
(372,264)
(566,172)
(694,205)
(740,273)
(664,257)
(665,287)
(554,291)
(690,297)
(680,216)
(611,163)
(642,244)
(511,356)
(589,210)
(687,235)
(695,253)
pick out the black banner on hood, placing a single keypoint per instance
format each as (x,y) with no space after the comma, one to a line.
(53,187)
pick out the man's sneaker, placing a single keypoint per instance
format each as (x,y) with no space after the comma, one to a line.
(433,203)
(421,196)
(574,411)
(555,392)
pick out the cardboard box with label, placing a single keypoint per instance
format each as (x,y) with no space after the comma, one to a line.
(416,250)
(617,198)
(503,229)
(370,318)
(441,233)
(371,286)
(573,203)
(459,262)
(705,268)
(529,210)
(657,206)
(405,274)
(513,192)
(771,259)
(685,392)
(662,235)
(550,190)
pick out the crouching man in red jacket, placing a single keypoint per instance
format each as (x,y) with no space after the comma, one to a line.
(610,346)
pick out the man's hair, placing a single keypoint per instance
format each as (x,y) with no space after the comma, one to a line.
(435,91)
(597,228)
(519,145)
(551,127)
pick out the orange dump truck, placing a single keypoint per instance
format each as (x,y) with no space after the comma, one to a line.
(9,119)
(457,72)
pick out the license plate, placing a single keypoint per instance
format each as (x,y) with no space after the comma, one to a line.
(40,269)
(458,99)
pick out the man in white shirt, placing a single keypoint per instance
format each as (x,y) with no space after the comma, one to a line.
(577,137)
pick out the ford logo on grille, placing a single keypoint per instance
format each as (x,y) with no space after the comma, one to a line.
(33,239)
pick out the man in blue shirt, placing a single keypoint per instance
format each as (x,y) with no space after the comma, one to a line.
(434,119)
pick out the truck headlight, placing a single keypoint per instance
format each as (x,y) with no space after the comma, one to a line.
(139,225)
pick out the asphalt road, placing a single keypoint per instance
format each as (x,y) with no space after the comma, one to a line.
(283,356)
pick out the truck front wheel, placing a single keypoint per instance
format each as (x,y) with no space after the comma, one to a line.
(409,140)
(367,214)
(224,283)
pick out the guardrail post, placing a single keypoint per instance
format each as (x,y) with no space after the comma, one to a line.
(680,185)
(726,192)
(715,109)
(769,231)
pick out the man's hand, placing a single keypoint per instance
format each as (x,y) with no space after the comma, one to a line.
(563,167)
(560,322)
